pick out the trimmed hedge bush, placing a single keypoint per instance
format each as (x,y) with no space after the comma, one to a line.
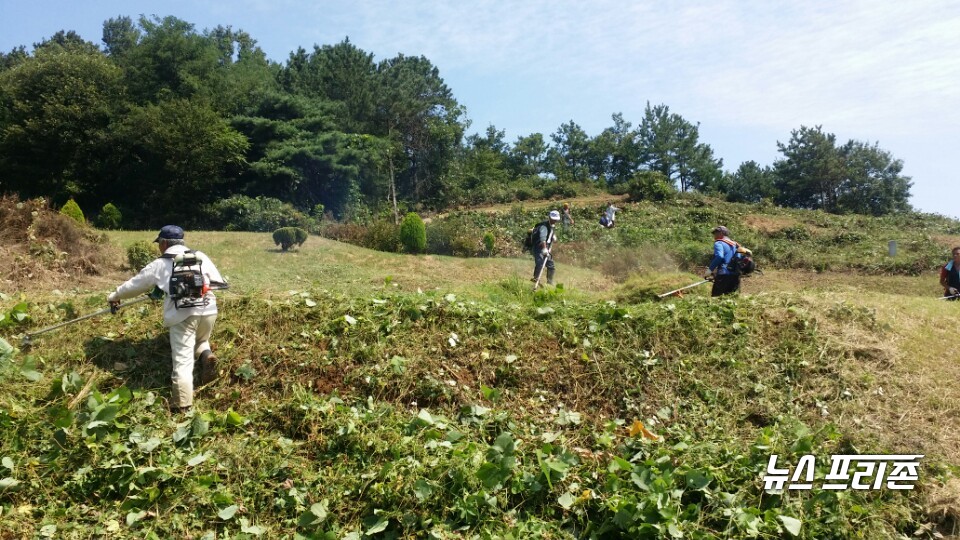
(287,237)
(140,254)
(72,209)
(413,234)
(109,217)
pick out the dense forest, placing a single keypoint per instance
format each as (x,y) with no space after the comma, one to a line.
(163,123)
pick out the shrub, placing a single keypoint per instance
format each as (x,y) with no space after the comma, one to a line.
(651,186)
(110,217)
(287,237)
(72,209)
(413,234)
(140,254)
(382,235)
(489,242)
(262,214)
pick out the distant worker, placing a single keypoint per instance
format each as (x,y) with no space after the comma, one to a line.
(544,234)
(189,309)
(724,271)
(609,216)
(567,219)
(950,276)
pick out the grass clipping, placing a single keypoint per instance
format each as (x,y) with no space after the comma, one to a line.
(45,247)
(648,286)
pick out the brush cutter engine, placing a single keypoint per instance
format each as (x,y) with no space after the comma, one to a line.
(187,287)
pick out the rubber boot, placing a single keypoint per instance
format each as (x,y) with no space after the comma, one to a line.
(550,272)
(208,367)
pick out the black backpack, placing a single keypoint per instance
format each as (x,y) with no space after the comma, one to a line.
(742,259)
(187,287)
(528,239)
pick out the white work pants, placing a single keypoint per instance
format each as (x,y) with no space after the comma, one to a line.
(187,340)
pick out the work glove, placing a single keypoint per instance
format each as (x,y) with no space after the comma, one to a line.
(953,291)
(156,294)
(544,252)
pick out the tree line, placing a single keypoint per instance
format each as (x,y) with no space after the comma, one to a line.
(163,121)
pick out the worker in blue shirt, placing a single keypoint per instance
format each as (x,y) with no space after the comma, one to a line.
(723,269)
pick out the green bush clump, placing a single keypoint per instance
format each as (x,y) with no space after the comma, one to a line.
(650,186)
(72,210)
(287,237)
(382,235)
(109,217)
(140,254)
(261,214)
(413,234)
(489,242)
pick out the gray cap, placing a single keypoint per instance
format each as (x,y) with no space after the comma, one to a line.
(722,230)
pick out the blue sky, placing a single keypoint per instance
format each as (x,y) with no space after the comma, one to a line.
(748,71)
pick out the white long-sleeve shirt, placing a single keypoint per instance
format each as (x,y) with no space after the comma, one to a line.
(158,273)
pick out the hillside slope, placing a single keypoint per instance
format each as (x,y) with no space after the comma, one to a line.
(383,395)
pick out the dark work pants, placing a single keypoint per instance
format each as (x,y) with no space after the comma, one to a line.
(538,260)
(725,284)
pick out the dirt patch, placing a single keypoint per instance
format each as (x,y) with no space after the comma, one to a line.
(768,224)
(948,241)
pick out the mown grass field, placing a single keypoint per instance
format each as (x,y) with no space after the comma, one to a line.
(378,395)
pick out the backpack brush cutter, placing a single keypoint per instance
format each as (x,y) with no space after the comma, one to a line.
(27,341)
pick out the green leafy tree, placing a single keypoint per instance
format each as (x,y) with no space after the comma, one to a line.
(751,183)
(417,112)
(528,156)
(613,155)
(568,157)
(298,154)
(109,217)
(180,150)
(57,109)
(343,74)
(120,35)
(413,234)
(481,164)
(811,170)
(872,183)
(670,144)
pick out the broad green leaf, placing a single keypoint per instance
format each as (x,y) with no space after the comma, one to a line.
(234,419)
(134,517)
(7,463)
(566,500)
(197,459)
(228,512)
(350,320)
(6,350)
(379,525)
(425,416)
(309,303)
(422,489)
(792,525)
(245,527)
(8,482)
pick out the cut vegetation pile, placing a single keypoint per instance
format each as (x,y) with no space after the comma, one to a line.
(40,245)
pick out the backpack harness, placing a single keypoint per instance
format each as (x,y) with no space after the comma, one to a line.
(741,262)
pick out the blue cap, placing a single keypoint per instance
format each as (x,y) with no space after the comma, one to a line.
(170,232)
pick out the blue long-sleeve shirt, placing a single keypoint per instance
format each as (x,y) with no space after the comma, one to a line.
(722,255)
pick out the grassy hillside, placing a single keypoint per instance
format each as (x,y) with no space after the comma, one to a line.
(369,394)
